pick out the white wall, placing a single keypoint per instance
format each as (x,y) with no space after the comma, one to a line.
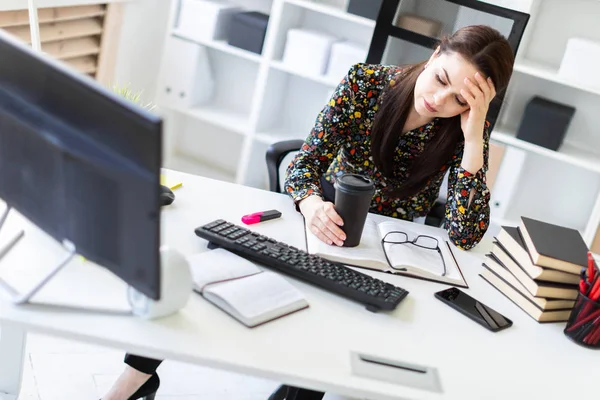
(143,33)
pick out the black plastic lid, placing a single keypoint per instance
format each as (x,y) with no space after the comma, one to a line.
(354,182)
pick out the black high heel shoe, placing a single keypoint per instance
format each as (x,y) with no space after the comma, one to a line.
(148,390)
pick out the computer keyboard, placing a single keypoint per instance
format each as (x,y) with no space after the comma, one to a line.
(335,277)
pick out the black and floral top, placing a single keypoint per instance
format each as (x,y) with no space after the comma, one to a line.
(340,143)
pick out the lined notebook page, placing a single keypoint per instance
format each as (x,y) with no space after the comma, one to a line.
(259,297)
(218,265)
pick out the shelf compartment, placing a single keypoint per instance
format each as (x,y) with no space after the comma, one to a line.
(333,11)
(222,45)
(208,146)
(181,162)
(291,106)
(567,153)
(549,73)
(218,116)
(328,81)
(208,85)
(310,16)
(564,196)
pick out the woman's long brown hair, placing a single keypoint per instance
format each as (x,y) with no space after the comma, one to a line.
(482,46)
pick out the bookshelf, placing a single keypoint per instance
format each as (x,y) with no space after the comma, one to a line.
(272,102)
(555,186)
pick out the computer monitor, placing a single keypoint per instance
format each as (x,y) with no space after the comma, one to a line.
(81,163)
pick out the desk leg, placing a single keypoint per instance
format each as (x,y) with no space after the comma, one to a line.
(12,358)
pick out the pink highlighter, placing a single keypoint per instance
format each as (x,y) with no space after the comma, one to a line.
(260,216)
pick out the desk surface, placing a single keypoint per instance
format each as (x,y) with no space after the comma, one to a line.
(310,348)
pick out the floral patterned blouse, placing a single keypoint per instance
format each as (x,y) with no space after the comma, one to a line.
(340,143)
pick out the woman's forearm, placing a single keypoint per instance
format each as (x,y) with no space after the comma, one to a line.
(472,160)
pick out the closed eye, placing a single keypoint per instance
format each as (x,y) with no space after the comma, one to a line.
(460,103)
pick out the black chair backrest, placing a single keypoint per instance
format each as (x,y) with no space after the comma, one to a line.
(275,155)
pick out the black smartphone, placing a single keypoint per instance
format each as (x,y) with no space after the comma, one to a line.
(474,309)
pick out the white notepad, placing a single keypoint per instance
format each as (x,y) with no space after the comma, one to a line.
(243,290)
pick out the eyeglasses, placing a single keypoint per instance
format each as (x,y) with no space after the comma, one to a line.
(422,241)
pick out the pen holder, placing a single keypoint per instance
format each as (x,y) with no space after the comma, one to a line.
(583,326)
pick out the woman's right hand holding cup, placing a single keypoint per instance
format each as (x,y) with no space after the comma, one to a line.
(323,220)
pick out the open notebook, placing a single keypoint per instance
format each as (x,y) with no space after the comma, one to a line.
(417,262)
(238,287)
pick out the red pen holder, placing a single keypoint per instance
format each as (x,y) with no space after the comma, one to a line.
(583,326)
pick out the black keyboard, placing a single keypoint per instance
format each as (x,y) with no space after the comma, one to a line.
(335,277)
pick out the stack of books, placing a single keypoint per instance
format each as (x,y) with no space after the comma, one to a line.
(537,265)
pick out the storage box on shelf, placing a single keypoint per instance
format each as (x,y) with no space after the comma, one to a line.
(302,30)
(205,19)
(207,84)
(248,31)
(186,80)
(308,51)
(418,24)
(343,54)
(580,62)
(365,8)
(224,26)
(545,122)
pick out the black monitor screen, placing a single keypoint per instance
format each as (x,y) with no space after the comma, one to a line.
(81,163)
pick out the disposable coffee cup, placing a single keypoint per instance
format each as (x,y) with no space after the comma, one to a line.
(353,194)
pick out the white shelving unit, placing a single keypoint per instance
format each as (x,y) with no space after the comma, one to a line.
(557,186)
(259,100)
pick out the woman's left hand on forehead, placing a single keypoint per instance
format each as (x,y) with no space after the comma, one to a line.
(480,93)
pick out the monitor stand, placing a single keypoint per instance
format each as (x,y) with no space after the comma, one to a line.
(176,283)
(21,298)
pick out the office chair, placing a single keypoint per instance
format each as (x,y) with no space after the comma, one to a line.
(276,153)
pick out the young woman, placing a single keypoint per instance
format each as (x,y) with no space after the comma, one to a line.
(405,128)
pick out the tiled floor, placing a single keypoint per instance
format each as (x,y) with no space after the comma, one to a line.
(61,370)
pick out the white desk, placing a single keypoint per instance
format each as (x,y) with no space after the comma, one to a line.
(309,348)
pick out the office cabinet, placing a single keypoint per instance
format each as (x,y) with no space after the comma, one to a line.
(84,37)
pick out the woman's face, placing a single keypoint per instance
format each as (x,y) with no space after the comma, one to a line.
(437,91)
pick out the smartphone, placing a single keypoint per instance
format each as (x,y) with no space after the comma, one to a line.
(474,309)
